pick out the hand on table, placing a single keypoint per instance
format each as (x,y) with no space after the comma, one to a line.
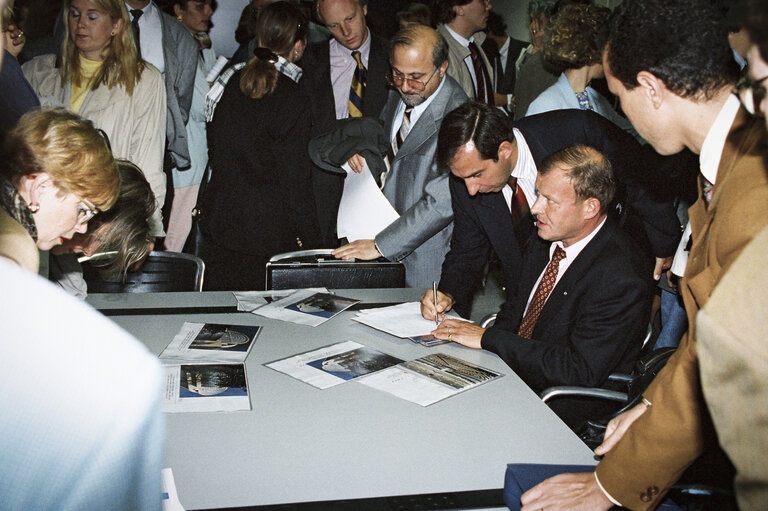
(462,332)
(566,492)
(444,304)
(360,249)
(356,162)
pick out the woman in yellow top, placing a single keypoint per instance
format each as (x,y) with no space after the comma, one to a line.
(99,76)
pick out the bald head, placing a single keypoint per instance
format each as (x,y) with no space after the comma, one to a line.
(422,39)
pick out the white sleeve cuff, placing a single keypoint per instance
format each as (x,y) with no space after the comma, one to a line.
(615,502)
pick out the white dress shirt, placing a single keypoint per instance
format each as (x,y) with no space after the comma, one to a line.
(151,35)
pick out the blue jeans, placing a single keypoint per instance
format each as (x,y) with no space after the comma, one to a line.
(673,321)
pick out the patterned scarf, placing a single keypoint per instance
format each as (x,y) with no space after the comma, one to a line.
(14,205)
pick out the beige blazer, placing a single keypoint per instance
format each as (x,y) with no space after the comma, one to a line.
(457,68)
(672,433)
(134,124)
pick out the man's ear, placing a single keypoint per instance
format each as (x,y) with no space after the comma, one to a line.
(505,149)
(591,208)
(653,87)
(443,68)
(459,10)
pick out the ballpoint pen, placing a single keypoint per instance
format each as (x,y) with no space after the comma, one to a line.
(434,297)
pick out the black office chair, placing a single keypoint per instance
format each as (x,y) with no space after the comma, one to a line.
(162,271)
(318,268)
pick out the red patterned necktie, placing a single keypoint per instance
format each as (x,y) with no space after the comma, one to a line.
(545,287)
(519,210)
(483,90)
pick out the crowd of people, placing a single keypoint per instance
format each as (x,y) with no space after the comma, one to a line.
(554,162)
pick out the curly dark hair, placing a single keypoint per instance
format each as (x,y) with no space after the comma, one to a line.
(682,42)
(572,39)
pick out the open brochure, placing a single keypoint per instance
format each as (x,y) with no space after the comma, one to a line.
(334,364)
(205,387)
(249,301)
(212,342)
(430,379)
(306,307)
(402,320)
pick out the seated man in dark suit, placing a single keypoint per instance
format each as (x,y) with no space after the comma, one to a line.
(583,298)
(483,218)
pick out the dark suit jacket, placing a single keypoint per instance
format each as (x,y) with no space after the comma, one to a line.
(259,200)
(592,324)
(316,82)
(483,222)
(505,75)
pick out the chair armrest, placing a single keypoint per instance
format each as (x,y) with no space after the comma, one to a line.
(565,390)
(620,377)
(488,320)
(301,253)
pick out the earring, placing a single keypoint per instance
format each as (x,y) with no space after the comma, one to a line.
(179,18)
(34,207)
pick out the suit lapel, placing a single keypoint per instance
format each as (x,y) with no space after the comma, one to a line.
(427,125)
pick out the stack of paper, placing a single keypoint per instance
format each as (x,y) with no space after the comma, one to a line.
(311,307)
(403,320)
(204,369)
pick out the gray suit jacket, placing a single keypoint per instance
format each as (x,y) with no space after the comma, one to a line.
(419,192)
(180,52)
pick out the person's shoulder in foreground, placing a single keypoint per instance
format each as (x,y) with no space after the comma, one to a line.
(80,419)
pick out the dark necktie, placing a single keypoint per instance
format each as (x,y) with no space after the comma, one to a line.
(545,287)
(136,13)
(483,89)
(357,87)
(519,210)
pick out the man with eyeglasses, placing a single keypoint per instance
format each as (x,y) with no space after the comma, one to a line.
(731,329)
(670,64)
(415,186)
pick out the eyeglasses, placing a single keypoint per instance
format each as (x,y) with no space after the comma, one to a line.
(85,211)
(396,79)
(751,93)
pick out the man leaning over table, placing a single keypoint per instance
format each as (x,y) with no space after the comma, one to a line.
(582,301)
(671,67)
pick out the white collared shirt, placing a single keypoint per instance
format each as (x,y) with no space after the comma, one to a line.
(525,171)
(397,121)
(571,253)
(714,142)
(503,52)
(467,60)
(151,35)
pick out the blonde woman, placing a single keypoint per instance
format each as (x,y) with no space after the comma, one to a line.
(99,76)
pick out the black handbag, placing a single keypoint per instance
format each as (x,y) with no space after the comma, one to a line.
(196,239)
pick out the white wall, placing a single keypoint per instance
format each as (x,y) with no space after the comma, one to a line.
(224,24)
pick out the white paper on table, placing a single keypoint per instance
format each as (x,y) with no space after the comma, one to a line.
(406,385)
(170,497)
(186,346)
(310,367)
(249,301)
(206,397)
(364,211)
(300,307)
(402,320)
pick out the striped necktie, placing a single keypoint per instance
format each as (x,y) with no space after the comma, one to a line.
(405,127)
(543,290)
(357,87)
(483,90)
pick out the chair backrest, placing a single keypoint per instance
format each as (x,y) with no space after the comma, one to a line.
(161,272)
(318,268)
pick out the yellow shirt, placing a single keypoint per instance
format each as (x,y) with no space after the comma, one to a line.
(88,70)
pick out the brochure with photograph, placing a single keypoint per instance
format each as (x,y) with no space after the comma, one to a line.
(334,364)
(200,387)
(249,301)
(430,379)
(306,307)
(212,342)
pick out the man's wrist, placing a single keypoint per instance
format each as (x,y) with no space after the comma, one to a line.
(607,495)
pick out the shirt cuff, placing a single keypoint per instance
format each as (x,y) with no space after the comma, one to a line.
(614,501)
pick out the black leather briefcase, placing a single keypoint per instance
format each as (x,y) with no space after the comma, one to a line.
(318,268)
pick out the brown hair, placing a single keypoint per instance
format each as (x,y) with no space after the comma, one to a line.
(572,39)
(69,148)
(280,25)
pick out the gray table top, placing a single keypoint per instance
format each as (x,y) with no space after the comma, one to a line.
(301,444)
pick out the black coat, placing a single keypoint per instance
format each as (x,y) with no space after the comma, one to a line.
(259,200)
